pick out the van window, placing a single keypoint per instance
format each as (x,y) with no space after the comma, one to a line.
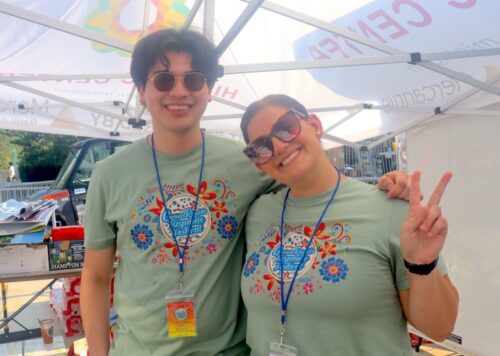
(95,153)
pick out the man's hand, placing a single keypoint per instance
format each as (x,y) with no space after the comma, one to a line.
(396,184)
(424,230)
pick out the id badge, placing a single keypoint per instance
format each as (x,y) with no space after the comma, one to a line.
(275,349)
(181,316)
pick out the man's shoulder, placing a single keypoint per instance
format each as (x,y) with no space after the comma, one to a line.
(229,152)
(357,188)
(364,196)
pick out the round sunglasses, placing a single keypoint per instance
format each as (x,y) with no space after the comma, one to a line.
(165,81)
(285,129)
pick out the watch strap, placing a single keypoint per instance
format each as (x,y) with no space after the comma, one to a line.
(422,270)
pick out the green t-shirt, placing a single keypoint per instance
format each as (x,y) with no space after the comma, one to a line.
(124,208)
(345,297)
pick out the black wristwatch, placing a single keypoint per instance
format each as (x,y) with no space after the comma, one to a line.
(422,270)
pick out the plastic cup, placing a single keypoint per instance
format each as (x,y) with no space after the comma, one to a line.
(47,329)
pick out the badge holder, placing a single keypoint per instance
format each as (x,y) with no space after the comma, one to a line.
(279,349)
(181,314)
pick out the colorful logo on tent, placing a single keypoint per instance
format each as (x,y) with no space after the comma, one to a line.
(120,19)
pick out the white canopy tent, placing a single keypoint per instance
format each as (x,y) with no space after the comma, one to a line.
(65,66)
(367,68)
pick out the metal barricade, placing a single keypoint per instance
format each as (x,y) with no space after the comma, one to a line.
(21,191)
(365,164)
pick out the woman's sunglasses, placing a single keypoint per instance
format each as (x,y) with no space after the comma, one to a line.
(286,129)
(165,81)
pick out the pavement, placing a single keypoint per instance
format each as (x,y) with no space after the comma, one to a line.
(434,350)
(17,294)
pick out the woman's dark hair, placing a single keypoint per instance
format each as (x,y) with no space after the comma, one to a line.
(274,99)
(155,45)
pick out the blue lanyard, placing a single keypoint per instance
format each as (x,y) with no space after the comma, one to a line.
(182,251)
(284,302)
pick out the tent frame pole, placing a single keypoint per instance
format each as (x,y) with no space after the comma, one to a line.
(65,101)
(351,35)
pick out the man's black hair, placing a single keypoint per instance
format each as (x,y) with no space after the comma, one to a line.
(155,45)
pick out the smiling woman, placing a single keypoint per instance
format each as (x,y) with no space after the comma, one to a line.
(339,259)
(285,144)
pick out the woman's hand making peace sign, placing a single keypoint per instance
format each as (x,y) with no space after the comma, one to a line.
(424,230)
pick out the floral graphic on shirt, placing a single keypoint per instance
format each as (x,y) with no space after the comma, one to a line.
(270,281)
(333,270)
(203,193)
(211,247)
(227,227)
(328,249)
(218,208)
(162,256)
(319,260)
(159,207)
(258,288)
(203,218)
(319,233)
(308,288)
(175,248)
(276,295)
(142,236)
(251,264)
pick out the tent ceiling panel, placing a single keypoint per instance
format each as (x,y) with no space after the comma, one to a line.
(327,54)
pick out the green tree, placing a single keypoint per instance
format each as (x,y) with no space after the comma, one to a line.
(4,151)
(6,147)
(42,154)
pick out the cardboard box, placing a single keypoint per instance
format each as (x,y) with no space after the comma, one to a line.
(67,254)
(23,253)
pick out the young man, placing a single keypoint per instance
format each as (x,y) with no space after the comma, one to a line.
(173,206)
(141,203)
